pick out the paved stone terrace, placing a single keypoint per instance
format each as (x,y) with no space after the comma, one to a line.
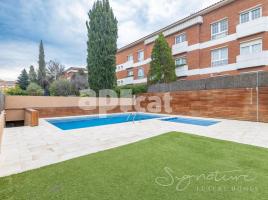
(26,148)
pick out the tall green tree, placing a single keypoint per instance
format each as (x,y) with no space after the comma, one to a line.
(32,75)
(162,66)
(41,76)
(101,46)
(23,80)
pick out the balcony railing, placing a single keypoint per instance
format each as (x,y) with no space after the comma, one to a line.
(252,60)
(140,80)
(181,70)
(252,27)
(180,48)
(128,80)
(124,66)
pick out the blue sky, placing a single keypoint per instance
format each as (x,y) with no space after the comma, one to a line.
(61,25)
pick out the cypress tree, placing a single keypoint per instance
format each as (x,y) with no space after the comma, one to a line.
(162,66)
(23,80)
(101,46)
(41,77)
(32,75)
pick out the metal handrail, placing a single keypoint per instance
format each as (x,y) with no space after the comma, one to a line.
(129,116)
(134,116)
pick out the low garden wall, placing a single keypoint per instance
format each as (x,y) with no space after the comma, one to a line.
(16,106)
(248,104)
(76,111)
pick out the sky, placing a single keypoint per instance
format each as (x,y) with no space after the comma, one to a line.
(61,24)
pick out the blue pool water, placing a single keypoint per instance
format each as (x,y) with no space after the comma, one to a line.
(91,121)
(199,122)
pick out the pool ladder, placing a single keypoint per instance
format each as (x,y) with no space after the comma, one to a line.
(134,116)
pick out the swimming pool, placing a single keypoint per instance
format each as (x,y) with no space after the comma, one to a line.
(198,122)
(91,121)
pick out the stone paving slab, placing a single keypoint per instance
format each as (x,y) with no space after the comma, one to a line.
(27,148)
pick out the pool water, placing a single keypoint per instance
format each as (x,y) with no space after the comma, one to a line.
(91,121)
(198,122)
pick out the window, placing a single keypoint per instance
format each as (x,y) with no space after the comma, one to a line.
(130,58)
(180,62)
(120,82)
(140,56)
(219,29)
(250,15)
(219,57)
(256,13)
(140,72)
(119,67)
(129,73)
(244,17)
(180,38)
(251,47)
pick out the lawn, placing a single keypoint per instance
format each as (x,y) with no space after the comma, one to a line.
(171,166)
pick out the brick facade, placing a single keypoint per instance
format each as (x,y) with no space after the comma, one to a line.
(199,44)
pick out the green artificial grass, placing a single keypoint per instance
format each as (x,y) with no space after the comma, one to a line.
(172,166)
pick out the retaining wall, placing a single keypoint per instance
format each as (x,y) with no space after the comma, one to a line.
(62,106)
(248,104)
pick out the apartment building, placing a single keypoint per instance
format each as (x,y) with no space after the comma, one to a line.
(227,38)
(73,70)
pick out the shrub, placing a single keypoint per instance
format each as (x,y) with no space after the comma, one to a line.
(87,93)
(16,91)
(136,89)
(79,81)
(35,90)
(61,87)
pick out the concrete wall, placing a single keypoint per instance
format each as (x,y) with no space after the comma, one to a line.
(15,105)
(19,102)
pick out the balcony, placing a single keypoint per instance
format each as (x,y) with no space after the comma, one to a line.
(142,62)
(124,66)
(141,80)
(252,27)
(253,60)
(182,70)
(126,81)
(180,48)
